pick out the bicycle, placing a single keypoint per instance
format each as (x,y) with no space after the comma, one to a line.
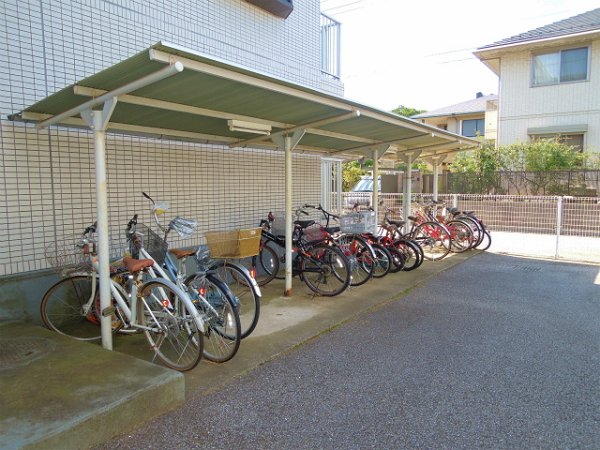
(211,297)
(322,267)
(155,306)
(347,237)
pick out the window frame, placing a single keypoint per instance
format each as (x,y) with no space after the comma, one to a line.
(462,127)
(559,51)
(583,134)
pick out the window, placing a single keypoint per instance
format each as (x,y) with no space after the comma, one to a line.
(572,140)
(473,127)
(560,67)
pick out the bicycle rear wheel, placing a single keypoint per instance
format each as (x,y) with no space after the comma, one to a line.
(326,271)
(172,332)
(68,308)
(434,239)
(240,283)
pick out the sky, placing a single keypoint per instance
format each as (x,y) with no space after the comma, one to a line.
(419,53)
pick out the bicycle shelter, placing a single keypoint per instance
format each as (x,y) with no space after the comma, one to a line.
(170,91)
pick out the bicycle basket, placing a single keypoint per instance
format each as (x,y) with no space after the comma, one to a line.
(314,233)
(360,222)
(151,242)
(234,243)
(184,227)
(66,253)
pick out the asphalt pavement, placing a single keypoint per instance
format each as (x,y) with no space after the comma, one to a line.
(497,352)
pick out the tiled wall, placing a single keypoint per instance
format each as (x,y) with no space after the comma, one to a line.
(47,188)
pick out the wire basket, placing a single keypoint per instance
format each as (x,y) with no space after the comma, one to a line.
(233,244)
(278,224)
(67,253)
(314,233)
(360,222)
(151,242)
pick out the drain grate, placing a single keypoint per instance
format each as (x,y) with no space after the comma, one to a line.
(20,351)
(525,268)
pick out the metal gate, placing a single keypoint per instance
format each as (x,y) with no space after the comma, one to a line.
(331,185)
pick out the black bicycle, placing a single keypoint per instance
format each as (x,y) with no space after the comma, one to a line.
(322,267)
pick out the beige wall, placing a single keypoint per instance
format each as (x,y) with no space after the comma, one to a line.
(523,106)
(48,188)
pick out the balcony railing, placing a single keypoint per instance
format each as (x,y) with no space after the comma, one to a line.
(330,47)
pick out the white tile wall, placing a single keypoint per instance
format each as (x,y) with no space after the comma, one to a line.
(47,188)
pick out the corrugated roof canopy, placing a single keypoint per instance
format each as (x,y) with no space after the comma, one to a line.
(198,102)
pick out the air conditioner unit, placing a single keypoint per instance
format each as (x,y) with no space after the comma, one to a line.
(279,8)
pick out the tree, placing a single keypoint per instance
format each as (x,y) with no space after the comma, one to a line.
(533,162)
(351,173)
(407,111)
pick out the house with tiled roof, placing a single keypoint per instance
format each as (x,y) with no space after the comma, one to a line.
(471,118)
(549,82)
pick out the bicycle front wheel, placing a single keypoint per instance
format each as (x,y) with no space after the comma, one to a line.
(169,326)
(68,308)
(461,234)
(383,259)
(240,283)
(434,239)
(361,257)
(222,335)
(326,271)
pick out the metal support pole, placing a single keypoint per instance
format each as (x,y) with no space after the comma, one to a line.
(375,197)
(436,172)
(98,120)
(288,143)
(559,207)
(288,216)
(338,184)
(407,188)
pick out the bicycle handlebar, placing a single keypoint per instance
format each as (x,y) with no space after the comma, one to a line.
(91,228)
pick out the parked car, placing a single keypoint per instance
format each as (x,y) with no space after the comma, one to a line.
(361,192)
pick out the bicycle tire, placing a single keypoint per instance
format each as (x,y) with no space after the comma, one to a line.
(413,257)
(266,265)
(239,282)
(172,333)
(398,259)
(461,235)
(486,242)
(476,228)
(222,334)
(361,257)
(434,239)
(327,271)
(62,308)
(383,261)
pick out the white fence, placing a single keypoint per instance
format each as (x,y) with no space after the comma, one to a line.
(545,226)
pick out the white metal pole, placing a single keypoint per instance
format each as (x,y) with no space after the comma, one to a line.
(102,231)
(338,179)
(97,121)
(559,207)
(407,187)
(436,171)
(287,144)
(288,216)
(375,197)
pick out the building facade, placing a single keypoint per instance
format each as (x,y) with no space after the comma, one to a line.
(549,82)
(47,192)
(473,118)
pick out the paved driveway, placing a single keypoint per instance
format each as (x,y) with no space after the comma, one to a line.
(498,352)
